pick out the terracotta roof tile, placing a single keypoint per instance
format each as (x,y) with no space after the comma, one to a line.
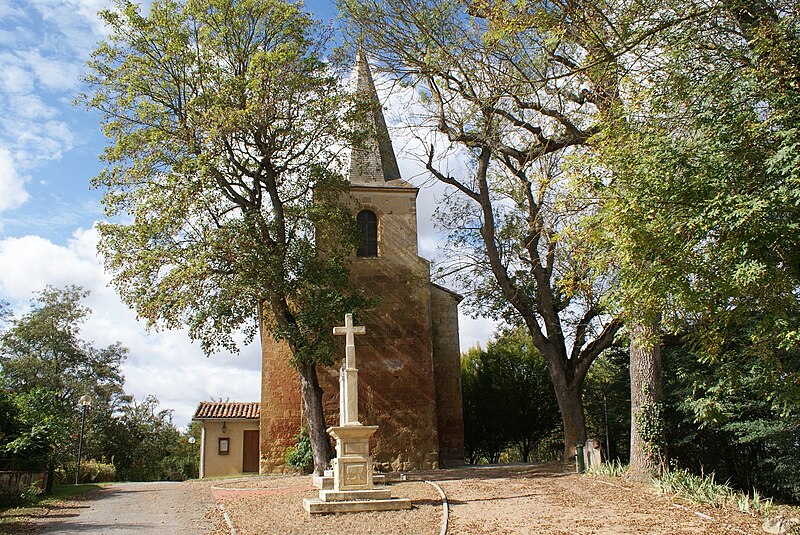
(208,410)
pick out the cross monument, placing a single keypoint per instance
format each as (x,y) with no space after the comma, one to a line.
(353,482)
(348,373)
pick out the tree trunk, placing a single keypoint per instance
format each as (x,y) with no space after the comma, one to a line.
(570,404)
(315,417)
(647,421)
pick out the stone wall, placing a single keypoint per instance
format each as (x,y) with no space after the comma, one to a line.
(447,374)
(280,404)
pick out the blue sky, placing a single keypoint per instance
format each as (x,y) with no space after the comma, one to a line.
(49,153)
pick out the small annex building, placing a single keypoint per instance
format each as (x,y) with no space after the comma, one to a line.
(229,442)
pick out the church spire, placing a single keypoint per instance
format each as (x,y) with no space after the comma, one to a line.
(374,159)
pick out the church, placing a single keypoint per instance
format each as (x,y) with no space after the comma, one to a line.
(409,359)
(409,374)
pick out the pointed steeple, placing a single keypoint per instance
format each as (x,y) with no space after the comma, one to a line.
(373,161)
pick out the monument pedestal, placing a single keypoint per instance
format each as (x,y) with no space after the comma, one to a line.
(353,489)
(352,467)
(353,485)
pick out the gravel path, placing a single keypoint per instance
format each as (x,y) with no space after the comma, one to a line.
(501,500)
(162,507)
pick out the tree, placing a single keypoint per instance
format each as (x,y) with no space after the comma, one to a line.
(47,367)
(736,414)
(607,395)
(43,350)
(513,88)
(507,398)
(699,184)
(143,441)
(224,125)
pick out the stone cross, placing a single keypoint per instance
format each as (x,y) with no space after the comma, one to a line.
(348,374)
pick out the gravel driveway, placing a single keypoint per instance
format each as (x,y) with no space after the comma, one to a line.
(162,507)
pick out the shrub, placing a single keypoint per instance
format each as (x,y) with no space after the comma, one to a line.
(91,472)
(299,456)
(706,490)
(610,469)
(9,497)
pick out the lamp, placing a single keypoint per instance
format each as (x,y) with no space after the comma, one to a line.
(224,429)
(86,403)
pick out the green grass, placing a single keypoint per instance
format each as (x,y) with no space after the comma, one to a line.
(13,518)
(703,489)
(613,469)
(706,490)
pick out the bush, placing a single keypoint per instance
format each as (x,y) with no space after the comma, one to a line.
(613,468)
(706,490)
(299,456)
(10,497)
(91,472)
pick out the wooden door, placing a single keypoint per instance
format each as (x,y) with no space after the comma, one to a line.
(250,451)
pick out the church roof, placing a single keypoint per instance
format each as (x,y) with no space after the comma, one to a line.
(457,296)
(374,161)
(230,410)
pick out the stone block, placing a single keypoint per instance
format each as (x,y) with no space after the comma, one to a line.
(326,482)
(354,495)
(317,506)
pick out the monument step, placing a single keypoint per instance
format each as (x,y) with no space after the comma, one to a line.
(354,495)
(326,482)
(317,506)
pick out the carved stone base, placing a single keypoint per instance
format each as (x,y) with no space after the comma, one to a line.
(352,467)
(317,506)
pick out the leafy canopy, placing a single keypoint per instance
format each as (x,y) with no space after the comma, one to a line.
(223,171)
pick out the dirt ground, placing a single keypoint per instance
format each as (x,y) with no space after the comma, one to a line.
(526,499)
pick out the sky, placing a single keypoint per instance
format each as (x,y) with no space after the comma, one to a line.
(49,152)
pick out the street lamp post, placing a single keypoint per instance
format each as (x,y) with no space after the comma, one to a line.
(192,440)
(85,402)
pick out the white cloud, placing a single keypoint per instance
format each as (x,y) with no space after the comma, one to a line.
(44,46)
(165,364)
(12,190)
(31,107)
(15,79)
(474,331)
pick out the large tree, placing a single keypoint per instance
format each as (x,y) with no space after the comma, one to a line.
(43,350)
(514,88)
(223,173)
(508,399)
(511,82)
(699,191)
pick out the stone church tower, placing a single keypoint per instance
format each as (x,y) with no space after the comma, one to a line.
(409,359)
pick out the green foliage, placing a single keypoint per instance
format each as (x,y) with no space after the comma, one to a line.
(299,455)
(46,367)
(97,472)
(43,350)
(507,397)
(224,122)
(25,497)
(614,468)
(606,397)
(706,490)
(737,415)
(39,438)
(223,175)
(650,425)
(140,441)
